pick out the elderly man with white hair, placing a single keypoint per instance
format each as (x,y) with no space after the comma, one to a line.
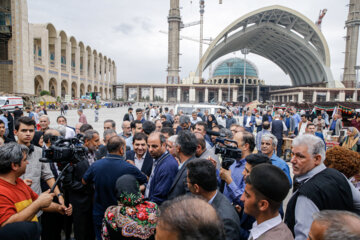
(316,187)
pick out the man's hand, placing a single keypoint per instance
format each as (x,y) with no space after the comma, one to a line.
(238,208)
(226,175)
(142,188)
(62,209)
(28,182)
(45,199)
(213,161)
(131,162)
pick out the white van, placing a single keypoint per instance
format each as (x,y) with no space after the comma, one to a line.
(189,108)
(10,102)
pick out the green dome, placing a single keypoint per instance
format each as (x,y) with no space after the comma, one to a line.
(236,69)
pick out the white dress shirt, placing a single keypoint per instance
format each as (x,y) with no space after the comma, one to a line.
(139,161)
(258,230)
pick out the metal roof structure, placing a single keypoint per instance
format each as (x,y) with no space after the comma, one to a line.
(282,35)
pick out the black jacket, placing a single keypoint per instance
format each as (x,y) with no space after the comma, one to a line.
(179,185)
(148,161)
(228,215)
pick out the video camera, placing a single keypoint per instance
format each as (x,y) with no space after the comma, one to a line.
(63,151)
(229,153)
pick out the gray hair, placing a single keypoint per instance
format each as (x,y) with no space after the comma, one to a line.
(89,134)
(61,129)
(46,116)
(269,136)
(314,144)
(11,153)
(108,132)
(339,225)
(80,110)
(184,119)
(172,138)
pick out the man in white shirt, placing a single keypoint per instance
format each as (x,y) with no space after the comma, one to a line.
(194,118)
(222,119)
(70,132)
(262,201)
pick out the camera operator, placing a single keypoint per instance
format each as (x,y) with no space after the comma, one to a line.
(233,177)
(36,170)
(81,196)
(18,201)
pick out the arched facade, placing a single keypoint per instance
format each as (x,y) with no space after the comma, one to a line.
(282,35)
(65,66)
(39,84)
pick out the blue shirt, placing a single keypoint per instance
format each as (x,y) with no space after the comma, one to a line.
(104,173)
(333,125)
(129,142)
(235,189)
(278,162)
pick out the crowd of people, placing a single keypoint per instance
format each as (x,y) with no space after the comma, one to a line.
(160,177)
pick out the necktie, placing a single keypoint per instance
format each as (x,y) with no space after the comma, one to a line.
(297,184)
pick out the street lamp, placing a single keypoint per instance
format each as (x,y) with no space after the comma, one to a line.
(229,64)
(244,51)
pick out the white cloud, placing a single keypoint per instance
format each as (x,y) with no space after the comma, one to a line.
(128,31)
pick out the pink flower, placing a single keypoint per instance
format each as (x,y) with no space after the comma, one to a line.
(142,216)
(110,215)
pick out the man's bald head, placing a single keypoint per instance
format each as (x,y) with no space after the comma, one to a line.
(187,217)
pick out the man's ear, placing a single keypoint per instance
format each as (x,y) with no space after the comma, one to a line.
(197,188)
(15,132)
(263,205)
(317,159)
(14,166)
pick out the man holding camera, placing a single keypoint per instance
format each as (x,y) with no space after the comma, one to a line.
(233,177)
(18,202)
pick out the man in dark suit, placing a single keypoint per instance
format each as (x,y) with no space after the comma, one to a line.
(129,116)
(201,180)
(249,122)
(164,169)
(140,157)
(186,144)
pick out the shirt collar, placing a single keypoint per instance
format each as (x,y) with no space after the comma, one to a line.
(258,230)
(311,173)
(114,156)
(240,162)
(142,158)
(212,199)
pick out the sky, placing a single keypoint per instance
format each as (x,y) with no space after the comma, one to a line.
(127,31)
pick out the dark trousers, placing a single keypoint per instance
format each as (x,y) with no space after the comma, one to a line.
(52,224)
(279,148)
(83,224)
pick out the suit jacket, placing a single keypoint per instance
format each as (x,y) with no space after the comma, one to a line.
(228,215)
(101,152)
(179,185)
(338,126)
(252,120)
(127,117)
(163,176)
(148,162)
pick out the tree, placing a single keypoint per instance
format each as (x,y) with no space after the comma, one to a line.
(44,92)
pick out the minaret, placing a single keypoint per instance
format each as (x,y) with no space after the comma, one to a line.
(352,37)
(174,20)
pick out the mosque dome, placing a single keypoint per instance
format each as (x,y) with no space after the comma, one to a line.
(237,69)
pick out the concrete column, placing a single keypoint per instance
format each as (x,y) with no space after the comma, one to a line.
(151,93)
(300,97)
(258,93)
(102,69)
(92,67)
(206,97)
(125,97)
(68,58)
(192,95)
(342,96)
(138,94)
(328,96)
(178,95)
(85,64)
(97,78)
(220,95)
(235,95)
(314,96)
(165,94)
(355,96)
